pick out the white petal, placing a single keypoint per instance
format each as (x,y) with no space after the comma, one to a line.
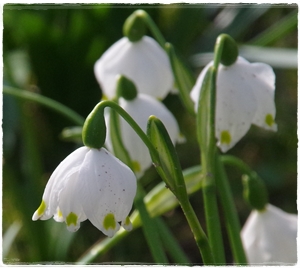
(263,84)
(235,104)
(107,187)
(144,62)
(270,236)
(69,203)
(140,109)
(58,180)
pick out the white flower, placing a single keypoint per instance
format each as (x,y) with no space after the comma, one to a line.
(269,236)
(140,109)
(89,184)
(144,62)
(245,96)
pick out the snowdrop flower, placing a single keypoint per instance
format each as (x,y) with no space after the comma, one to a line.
(245,96)
(140,108)
(89,184)
(269,236)
(144,62)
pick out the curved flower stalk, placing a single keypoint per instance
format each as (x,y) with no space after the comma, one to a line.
(89,184)
(140,108)
(245,96)
(269,236)
(144,62)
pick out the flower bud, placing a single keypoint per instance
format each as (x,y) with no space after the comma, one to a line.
(134,27)
(255,192)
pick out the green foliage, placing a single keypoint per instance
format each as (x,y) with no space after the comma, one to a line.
(51,49)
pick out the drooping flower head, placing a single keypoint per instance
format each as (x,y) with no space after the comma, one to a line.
(269,236)
(89,184)
(244,96)
(144,62)
(140,108)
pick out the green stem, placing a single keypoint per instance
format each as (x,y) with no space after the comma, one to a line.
(231,218)
(211,210)
(134,125)
(234,161)
(47,102)
(199,235)
(153,27)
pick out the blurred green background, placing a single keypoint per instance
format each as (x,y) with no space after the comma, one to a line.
(51,50)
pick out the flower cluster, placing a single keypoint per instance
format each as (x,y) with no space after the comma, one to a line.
(147,65)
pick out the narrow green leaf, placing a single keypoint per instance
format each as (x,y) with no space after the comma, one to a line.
(171,244)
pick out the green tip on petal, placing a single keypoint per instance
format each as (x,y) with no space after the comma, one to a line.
(40,211)
(71,219)
(127,225)
(136,166)
(109,222)
(269,120)
(225,137)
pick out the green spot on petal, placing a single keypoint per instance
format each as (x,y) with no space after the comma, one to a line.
(59,213)
(136,166)
(41,209)
(269,120)
(127,221)
(109,222)
(71,219)
(225,137)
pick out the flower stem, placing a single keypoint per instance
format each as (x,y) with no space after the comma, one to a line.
(231,218)
(153,27)
(199,235)
(47,102)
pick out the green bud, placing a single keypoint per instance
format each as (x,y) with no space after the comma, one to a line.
(134,27)
(126,88)
(255,192)
(94,129)
(169,166)
(230,50)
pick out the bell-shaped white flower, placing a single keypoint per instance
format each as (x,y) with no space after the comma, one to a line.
(244,96)
(89,184)
(144,62)
(140,109)
(269,236)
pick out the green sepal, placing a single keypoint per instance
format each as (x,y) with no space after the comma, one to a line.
(94,128)
(134,27)
(255,192)
(169,166)
(228,49)
(183,78)
(126,88)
